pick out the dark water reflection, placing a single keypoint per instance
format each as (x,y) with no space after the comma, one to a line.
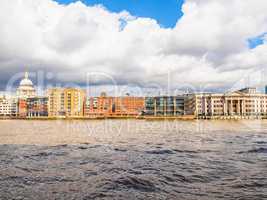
(191,160)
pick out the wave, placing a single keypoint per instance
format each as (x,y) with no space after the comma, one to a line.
(261,142)
(257,150)
(120,149)
(192,152)
(133,182)
(163,151)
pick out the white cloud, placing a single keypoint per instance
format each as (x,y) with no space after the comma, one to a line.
(208,46)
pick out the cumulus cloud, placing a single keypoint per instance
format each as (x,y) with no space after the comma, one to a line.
(208,46)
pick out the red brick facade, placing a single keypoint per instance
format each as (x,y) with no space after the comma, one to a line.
(113,106)
(22,111)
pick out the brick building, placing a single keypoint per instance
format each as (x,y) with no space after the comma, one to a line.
(22,108)
(105,106)
(37,107)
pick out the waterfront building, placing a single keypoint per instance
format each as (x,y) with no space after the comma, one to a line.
(65,102)
(245,102)
(128,106)
(98,106)
(22,108)
(26,88)
(105,106)
(74,100)
(165,106)
(37,107)
(56,102)
(8,106)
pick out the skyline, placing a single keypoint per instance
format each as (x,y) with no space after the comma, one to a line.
(21,79)
(206,48)
(79,102)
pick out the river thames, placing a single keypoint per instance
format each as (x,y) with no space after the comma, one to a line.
(133,159)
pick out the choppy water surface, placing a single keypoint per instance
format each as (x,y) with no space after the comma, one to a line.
(133,159)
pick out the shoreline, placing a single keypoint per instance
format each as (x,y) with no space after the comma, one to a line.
(152,118)
(98,118)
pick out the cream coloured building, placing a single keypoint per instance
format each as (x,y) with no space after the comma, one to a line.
(8,106)
(26,88)
(245,102)
(65,102)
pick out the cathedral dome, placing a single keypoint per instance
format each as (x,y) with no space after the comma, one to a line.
(26,88)
(26,81)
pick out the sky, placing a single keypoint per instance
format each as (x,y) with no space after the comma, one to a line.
(256,41)
(166,12)
(197,44)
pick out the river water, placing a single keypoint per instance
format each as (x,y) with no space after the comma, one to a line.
(133,159)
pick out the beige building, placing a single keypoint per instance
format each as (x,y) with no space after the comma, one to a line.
(8,106)
(245,102)
(65,102)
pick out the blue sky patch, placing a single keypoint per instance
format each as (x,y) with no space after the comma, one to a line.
(256,41)
(166,12)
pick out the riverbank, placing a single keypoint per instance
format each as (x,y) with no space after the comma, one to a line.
(185,117)
(182,117)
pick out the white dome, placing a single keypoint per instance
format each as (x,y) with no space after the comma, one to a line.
(26,82)
(26,88)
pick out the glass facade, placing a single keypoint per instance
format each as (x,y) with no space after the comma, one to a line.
(164,106)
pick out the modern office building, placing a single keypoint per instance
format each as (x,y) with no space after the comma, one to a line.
(165,106)
(26,88)
(245,102)
(37,107)
(65,102)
